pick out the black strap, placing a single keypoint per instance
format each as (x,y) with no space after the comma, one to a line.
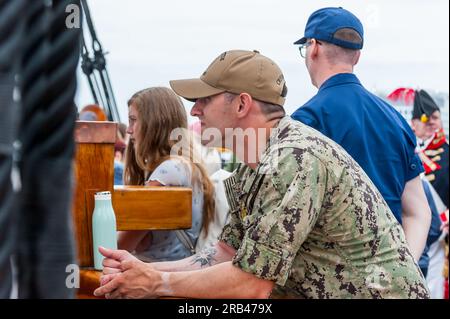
(253,191)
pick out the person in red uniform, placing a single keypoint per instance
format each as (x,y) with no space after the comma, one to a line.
(433,146)
(433,152)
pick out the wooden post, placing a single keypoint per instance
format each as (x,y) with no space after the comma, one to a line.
(94,172)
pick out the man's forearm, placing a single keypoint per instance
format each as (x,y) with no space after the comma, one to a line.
(219,281)
(208,257)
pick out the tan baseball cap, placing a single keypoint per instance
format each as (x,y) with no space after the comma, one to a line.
(237,71)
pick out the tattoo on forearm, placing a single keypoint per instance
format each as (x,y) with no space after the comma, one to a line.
(205,257)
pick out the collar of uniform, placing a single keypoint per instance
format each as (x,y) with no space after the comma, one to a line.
(338,79)
(275,133)
(264,165)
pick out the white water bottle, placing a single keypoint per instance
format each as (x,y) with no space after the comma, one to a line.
(104,231)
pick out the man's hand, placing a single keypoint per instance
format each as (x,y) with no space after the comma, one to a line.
(112,263)
(126,277)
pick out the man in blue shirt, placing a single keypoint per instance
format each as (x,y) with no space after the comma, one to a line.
(368,128)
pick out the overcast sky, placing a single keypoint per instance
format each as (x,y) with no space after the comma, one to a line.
(151,42)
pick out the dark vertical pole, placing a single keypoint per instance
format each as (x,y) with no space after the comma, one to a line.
(47,83)
(11,30)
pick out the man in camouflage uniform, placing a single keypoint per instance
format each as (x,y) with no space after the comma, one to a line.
(306,221)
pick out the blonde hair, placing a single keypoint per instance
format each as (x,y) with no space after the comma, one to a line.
(160,112)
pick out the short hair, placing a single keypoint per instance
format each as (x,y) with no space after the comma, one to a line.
(337,54)
(266,108)
(229,97)
(269,108)
(349,35)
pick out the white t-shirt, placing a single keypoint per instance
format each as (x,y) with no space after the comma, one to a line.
(165,245)
(221,213)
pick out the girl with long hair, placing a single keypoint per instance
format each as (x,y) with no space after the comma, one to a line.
(154,158)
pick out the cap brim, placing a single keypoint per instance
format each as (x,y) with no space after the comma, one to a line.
(193,89)
(301,41)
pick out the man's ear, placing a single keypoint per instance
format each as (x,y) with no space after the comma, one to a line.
(314,50)
(245,104)
(356,60)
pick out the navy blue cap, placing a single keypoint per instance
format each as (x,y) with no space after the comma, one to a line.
(325,22)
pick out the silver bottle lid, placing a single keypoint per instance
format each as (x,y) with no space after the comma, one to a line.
(103,195)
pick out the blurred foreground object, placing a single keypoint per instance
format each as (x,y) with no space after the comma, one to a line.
(38,60)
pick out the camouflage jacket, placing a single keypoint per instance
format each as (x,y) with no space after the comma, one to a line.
(309,219)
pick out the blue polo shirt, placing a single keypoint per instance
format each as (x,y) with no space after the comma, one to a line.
(370,130)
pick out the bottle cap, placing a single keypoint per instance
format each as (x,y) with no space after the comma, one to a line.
(103,195)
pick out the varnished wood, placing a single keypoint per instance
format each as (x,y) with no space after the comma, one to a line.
(152,208)
(89,281)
